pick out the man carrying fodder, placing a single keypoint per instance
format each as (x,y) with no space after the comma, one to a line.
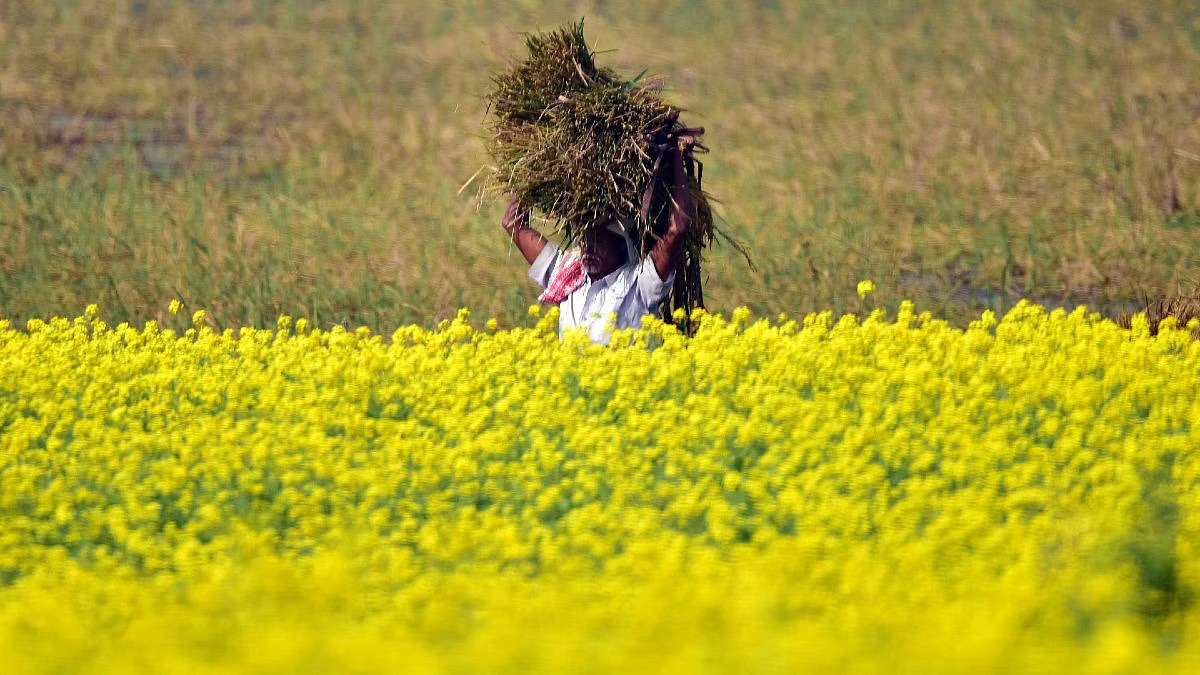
(606,277)
(609,163)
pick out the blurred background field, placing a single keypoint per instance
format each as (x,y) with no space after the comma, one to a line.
(265,157)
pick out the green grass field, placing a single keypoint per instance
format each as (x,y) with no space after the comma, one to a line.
(267,157)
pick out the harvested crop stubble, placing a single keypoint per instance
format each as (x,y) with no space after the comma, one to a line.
(1183,308)
(583,145)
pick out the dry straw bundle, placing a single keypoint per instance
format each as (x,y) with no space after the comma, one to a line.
(1183,308)
(583,145)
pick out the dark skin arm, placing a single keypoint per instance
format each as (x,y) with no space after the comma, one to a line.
(527,239)
(669,248)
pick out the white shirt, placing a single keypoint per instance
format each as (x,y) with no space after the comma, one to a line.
(630,292)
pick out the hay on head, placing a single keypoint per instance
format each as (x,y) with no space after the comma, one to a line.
(583,145)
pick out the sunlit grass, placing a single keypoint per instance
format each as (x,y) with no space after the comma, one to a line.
(267,157)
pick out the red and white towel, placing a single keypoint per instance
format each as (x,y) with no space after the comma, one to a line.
(567,278)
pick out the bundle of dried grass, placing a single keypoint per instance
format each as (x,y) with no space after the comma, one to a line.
(583,145)
(1183,308)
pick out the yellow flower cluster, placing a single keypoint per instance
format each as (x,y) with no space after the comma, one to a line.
(873,496)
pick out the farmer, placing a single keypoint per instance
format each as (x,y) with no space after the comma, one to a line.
(607,277)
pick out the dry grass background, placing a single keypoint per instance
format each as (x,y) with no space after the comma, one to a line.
(259,157)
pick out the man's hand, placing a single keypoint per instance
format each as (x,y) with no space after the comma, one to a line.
(515,218)
(687,139)
(516,224)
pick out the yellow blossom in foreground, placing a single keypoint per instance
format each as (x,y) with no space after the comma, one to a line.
(854,495)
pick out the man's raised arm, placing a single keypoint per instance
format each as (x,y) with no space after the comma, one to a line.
(667,250)
(529,240)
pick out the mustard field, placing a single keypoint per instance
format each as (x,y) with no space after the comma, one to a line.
(883,495)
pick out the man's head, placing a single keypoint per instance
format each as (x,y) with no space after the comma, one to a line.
(603,250)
